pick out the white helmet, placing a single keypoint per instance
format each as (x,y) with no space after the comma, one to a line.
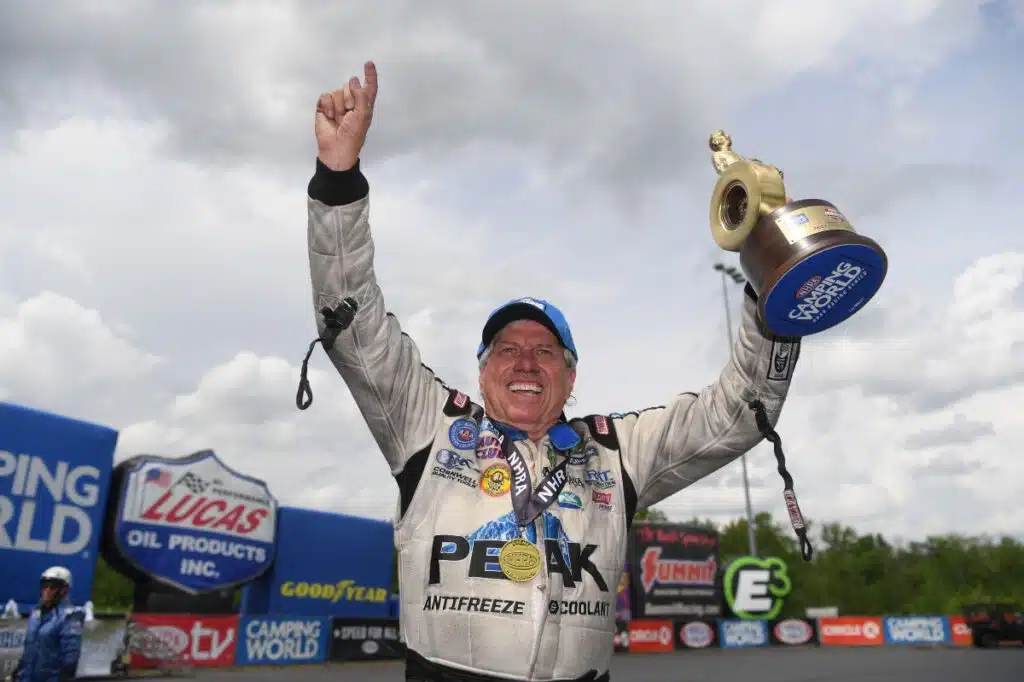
(58,573)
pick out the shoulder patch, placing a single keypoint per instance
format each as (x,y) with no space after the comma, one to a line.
(458,404)
(602,429)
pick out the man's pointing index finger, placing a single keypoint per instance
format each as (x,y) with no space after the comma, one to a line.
(370,81)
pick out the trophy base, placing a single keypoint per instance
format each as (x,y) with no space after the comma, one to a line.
(811,271)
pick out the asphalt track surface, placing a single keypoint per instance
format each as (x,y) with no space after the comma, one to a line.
(888,664)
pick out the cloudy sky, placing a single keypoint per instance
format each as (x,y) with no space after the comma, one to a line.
(153,274)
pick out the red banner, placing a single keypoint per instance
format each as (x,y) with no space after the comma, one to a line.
(960,631)
(648,636)
(851,631)
(169,639)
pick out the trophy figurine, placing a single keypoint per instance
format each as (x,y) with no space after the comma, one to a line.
(809,268)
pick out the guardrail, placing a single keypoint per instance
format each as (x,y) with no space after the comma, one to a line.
(181,642)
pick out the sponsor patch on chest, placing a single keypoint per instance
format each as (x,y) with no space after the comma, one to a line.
(453,466)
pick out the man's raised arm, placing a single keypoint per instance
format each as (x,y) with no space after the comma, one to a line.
(665,449)
(400,398)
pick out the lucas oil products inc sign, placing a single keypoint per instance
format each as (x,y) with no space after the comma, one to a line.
(193,523)
(54,477)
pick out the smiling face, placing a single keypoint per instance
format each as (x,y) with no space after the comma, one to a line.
(526,380)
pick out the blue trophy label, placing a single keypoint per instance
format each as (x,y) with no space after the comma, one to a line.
(823,290)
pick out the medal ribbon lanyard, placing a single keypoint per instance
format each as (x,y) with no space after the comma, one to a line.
(528,504)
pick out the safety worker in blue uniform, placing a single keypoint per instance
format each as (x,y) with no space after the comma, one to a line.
(53,640)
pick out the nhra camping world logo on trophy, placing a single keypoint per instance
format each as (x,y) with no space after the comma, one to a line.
(193,523)
(755,588)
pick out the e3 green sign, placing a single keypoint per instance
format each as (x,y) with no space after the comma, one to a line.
(754,588)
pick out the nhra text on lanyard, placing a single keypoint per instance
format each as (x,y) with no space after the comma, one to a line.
(527,503)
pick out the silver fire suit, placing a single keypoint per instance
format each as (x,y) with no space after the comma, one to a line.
(460,617)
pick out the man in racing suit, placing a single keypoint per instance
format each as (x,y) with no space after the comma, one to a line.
(53,639)
(512,520)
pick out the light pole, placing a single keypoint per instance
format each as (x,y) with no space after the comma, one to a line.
(731,273)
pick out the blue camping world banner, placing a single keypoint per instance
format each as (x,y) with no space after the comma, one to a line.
(194,523)
(54,477)
(916,630)
(327,565)
(278,640)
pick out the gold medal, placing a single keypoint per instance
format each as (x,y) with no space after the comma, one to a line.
(519,560)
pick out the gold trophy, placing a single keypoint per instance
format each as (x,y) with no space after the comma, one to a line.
(807,265)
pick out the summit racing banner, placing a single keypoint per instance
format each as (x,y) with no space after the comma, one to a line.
(673,571)
(54,478)
(193,523)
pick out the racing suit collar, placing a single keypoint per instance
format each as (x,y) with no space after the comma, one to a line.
(563,437)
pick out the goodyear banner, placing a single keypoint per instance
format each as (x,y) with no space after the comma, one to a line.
(673,571)
(279,640)
(191,523)
(54,474)
(327,565)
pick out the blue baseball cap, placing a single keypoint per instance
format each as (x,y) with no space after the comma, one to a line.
(528,308)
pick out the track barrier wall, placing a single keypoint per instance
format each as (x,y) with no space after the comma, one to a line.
(165,640)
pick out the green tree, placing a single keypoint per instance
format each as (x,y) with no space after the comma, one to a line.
(650,514)
(111,591)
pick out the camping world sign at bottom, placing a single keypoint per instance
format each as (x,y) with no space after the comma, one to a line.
(279,640)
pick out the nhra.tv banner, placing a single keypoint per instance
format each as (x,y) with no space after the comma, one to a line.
(168,640)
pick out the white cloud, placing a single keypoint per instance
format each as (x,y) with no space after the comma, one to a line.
(152,245)
(58,354)
(567,83)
